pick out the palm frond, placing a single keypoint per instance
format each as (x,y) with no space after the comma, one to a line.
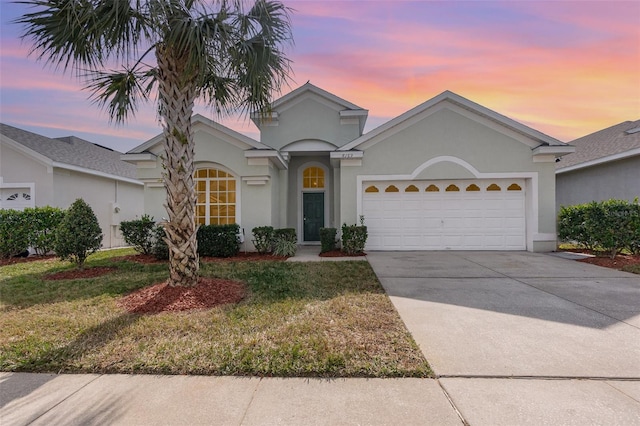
(83,33)
(119,92)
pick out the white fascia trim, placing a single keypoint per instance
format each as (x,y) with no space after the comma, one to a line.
(554,149)
(308,87)
(618,156)
(271,154)
(339,155)
(464,103)
(231,135)
(143,156)
(96,173)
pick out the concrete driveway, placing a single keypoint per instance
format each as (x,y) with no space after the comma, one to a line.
(556,338)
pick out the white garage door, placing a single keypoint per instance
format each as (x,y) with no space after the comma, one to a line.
(15,198)
(445,215)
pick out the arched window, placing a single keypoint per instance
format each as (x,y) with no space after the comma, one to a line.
(411,188)
(372,188)
(313,178)
(514,187)
(432,188)
(216,197)
(392,188)
(473,187)
(493,187)
(452,188)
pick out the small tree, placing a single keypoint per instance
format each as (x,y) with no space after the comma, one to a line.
(79,234)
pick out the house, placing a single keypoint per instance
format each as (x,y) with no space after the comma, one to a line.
(39,171)
(606,165)
(448,174)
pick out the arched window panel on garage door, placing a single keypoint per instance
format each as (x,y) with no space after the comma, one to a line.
(514,187)
(372,189)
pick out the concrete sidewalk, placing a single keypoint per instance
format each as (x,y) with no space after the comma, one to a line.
(47,399)
(43,399)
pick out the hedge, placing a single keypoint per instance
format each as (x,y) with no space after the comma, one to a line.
(32,227)
(611,225)
(218,240)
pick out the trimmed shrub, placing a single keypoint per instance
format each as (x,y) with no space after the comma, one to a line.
(42,223)
(354,238)
(139,233)
(160,248)
(79,234)
(285,242)
(263,239)
(610,225)
(288,234)
(328,239)
(218,240)
(14,233)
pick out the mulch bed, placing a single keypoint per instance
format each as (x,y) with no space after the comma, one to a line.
(603,259)
(80,273)
(14,260)
(340,253)
(208,293)
(620,261)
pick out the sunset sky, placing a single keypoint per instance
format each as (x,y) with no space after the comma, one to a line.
(566,68)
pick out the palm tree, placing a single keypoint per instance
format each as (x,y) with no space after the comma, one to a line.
(219,51)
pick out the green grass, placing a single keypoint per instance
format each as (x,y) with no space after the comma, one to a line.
(324,319)
(635,269)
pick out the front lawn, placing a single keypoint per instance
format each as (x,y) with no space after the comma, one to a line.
(325,319)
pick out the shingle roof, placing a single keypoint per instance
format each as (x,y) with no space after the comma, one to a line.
(604,143)
(73,151)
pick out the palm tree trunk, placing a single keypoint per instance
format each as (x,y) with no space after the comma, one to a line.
(177,96)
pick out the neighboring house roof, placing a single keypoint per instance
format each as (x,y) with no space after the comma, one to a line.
(348,109)
(197,118)
(72,153)
(613,143)
(447,96)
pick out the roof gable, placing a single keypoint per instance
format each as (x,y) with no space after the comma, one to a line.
(225,133)
(306,91)
(473,110)
(71,151)
(613,143)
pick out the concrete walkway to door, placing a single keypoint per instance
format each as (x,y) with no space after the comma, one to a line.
(549,336)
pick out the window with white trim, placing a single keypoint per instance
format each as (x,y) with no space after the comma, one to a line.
(216,197)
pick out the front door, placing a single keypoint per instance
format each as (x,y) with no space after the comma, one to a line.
(312,215)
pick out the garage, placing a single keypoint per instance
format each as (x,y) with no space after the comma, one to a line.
(478,214)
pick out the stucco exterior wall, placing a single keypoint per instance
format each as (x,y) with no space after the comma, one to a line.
(309,119)
(617,179)
(257,205)
(103,195)
(16,167)
(448,133)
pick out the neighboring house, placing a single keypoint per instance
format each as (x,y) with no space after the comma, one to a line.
(39,171)
(447,175)
(606,165)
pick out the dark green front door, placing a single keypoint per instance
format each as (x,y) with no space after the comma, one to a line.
(313,215)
